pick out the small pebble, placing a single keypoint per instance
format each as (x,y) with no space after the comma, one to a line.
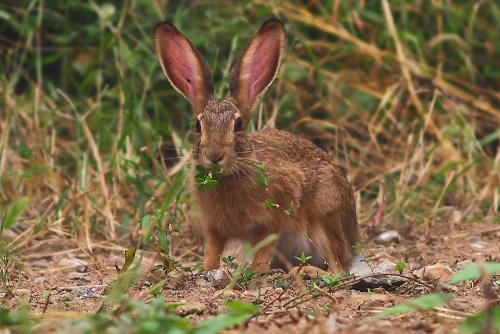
(389,237)
(79,276)
(82,269)
(479,245)
(214,278)
(384,266)
(72,263)
(39,280)
(85,292)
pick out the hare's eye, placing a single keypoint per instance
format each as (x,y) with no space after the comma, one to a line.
(238,124)
(198,126)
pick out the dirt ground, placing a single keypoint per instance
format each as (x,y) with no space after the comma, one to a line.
(77,278)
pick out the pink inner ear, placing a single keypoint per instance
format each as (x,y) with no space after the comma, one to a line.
(179,64)
(263,65)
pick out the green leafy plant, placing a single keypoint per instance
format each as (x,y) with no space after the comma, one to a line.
(488,319)
(331,281)
(207,179)
(477,323)
(262,177)
(11,213)
(162,230)
(303,259)
(400,266)
(474,271)
(246,275)
(269,203)
(229,261)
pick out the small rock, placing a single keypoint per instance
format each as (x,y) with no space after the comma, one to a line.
(384,266)
(85,292)
(359,267)
(82,269)
(438,271)
(416,265)
(79,276)
(214,278)
(39,280)
(72,263)
(479,245)
(191,308)
(369,283)
(388,237)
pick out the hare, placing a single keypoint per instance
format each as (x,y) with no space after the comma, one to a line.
(303,197)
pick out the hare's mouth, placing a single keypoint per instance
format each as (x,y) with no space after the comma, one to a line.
(213,161)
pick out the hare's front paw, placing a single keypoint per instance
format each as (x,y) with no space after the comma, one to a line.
(213,250)
(308,270)
(211,262)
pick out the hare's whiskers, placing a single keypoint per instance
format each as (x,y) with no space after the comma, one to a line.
(170,158)
(173,148)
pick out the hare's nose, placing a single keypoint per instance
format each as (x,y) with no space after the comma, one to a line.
(215,157)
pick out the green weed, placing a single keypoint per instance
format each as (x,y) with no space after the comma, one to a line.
(207,179)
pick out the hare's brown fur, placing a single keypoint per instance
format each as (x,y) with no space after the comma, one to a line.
(313,204)
(322,222)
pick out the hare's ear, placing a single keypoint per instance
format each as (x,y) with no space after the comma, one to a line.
(183,65)
(254,72)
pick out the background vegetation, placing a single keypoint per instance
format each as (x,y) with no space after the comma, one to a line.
(404,94)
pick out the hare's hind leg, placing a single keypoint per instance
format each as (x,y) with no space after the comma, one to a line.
(335,230)
(341,231)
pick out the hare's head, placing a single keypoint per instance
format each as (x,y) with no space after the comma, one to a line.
(220,124)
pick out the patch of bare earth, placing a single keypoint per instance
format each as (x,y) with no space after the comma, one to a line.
(76,279)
